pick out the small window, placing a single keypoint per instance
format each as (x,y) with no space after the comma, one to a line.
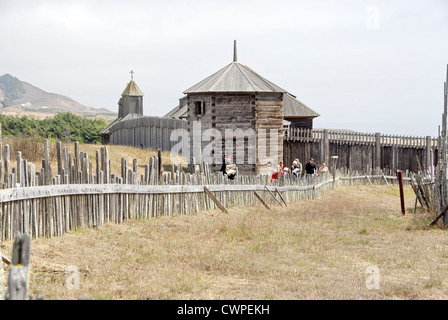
(199,107)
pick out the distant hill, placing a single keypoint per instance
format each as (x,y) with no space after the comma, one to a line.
(22,98)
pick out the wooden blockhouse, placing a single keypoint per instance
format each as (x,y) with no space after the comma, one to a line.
(236,97)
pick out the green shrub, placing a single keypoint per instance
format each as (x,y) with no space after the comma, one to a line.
(64,126)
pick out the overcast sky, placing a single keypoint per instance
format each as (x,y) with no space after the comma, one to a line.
(370,66)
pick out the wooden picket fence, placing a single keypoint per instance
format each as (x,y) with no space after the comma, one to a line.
(82,195)
(49,211)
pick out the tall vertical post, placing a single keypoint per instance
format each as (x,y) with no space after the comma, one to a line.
(124,169)
(234,51)
(1,155)
(59,156)
(19,168)
(326,155)
(46,163)
(7,164)
(377,162)
(395,157)
(160,166)
(400,184)
(444,151)
(428,153)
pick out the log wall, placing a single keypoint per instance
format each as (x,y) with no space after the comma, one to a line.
(258,118)
(146,132)
(269,117)
(360,151)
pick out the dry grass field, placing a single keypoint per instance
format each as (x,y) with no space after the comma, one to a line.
(316,249)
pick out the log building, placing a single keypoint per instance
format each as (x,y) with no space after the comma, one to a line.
(234,111)
(238,99)
(132,128)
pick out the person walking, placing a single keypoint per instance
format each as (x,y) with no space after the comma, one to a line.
(228,167)
(310,169)
(323,169)
(296,168)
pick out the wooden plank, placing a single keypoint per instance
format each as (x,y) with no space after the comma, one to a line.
(440,215)
(276,189)
(278,201)
(220,206)
(385,179)
(261,200)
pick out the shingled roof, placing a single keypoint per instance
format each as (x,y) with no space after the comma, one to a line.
(132,90)
(235,77)
(294,108)
(177,113)
(239,78)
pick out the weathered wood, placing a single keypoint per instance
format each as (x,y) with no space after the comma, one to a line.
(53,208)
(2,280)
(400,183)
(261,200)
(215,200)
(7,165)
(160,166)
(440,215)
(19,271)
(358,151)
(281,197)
(273,196)
(59,157)
(385,180)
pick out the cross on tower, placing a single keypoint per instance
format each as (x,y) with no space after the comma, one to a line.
(132,74)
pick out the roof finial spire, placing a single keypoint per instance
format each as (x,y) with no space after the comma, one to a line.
(234,51)
(132,75)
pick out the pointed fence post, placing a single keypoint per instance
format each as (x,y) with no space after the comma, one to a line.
(19,272)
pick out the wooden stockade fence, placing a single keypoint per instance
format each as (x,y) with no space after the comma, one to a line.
(431,184)
(348,137)
(85,193)
(360,151)
(19,270)
(439,190)
(145,132)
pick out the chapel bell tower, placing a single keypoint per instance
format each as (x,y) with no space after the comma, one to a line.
(131,100)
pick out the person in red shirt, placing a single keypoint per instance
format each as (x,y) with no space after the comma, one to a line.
(282,167)
(280,170)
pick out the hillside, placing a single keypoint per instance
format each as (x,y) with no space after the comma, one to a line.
(22,98)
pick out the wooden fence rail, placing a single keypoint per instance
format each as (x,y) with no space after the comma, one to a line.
(85,193)
(50,211)
(346,137)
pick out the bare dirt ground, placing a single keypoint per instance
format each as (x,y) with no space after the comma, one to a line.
(317,249)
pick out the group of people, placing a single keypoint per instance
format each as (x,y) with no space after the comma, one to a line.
(311,169)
